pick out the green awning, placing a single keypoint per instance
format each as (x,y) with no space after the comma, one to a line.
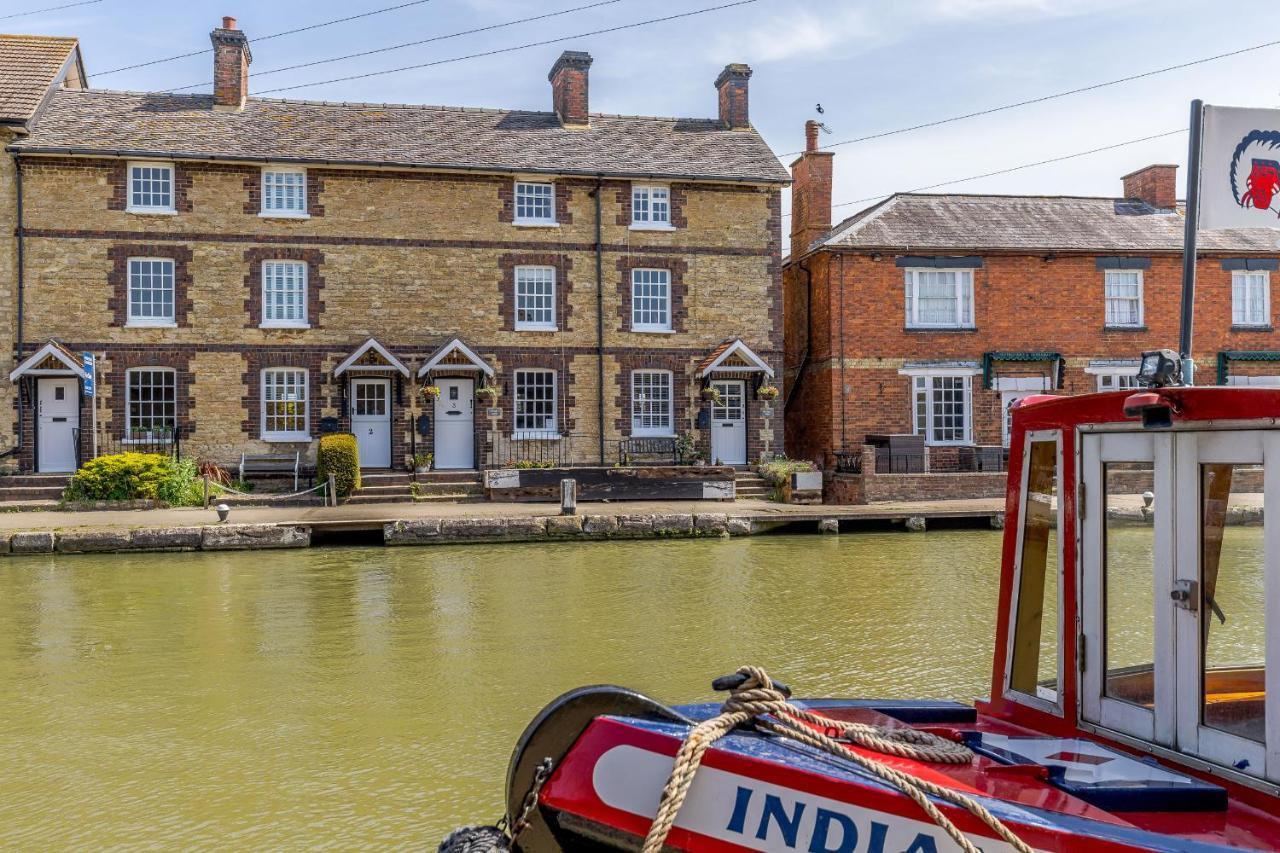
(989,360)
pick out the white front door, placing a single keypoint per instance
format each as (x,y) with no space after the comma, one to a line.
(455,424)
(729,423)
(58,417)
(371,421)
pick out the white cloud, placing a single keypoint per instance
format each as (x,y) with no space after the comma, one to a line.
(797,33)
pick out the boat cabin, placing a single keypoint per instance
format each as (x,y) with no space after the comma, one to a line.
(1140,575)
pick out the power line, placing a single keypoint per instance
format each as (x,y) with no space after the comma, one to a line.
(258,74)
(1015,168)
(1043,98)
(501,50)
(49,9)
(307,28)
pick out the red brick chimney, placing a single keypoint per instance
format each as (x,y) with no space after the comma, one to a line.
(231,58)
(569,88)
(732,86)
(1156,185)
(810,192)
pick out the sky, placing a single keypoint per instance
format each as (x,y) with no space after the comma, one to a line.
(873,65)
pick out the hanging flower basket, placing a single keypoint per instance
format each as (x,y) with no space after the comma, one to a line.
(768,392)
(430,392)
(488,392)
(712,395)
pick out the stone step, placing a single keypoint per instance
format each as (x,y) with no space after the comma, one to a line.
(406,498)
(31,493)
(7,505)
(384,478)
(35,480)
(449,476)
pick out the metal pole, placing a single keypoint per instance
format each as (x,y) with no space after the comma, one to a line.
(206,491)
(1189,242)
(600,315)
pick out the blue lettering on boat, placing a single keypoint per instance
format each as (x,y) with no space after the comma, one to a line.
(739,818)
(821,841)
(788,824)
(832,832)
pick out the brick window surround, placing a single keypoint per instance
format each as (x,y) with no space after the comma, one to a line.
(652,359)
(679,195)
(507,195)
(510,359)
(564,286)
(314,259)
(258,361)
(675,266)
(315,186)
(118,180)
(177,359)
(118,279)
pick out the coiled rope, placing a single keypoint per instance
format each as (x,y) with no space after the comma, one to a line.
(757,699)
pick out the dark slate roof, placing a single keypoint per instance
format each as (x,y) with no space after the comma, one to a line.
(168,125)
(29,65)
(1031,223)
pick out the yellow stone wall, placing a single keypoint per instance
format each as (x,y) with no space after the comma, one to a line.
(8,287)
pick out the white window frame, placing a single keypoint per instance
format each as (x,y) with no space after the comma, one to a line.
(1240,280)
(169,322)
(644,217)
(966,376)
(270,212)
(1245,381)
(161,209)
(1106,280)
(639,272)
(128,403)
(963,297)
(528,325)
(549,430)
(666,431)
(285,435)
(301,279)
(547,221)
(1118,380)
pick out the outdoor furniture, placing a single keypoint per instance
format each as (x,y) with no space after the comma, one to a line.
(629,448)
(982,457)
(898,454)
(271,463)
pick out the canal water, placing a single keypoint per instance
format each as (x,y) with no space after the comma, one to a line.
(355,697)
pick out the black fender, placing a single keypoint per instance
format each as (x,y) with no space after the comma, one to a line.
(553,732)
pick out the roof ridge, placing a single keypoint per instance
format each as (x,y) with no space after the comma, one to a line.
(37,36)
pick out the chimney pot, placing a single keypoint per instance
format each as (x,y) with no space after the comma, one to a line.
(732,88)
(1156,185)
(811,135)
(231,58)
(810,193)
(569,88)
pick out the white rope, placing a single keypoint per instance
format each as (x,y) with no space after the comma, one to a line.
(267,496)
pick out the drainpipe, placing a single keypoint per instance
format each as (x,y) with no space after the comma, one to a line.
(18,343)
(844,409)
(808,336)
(600,314)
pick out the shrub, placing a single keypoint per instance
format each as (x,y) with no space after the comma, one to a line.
(340,456)
(778,472)
(525,464)
(137,476)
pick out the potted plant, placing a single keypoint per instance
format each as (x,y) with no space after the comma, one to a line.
(422,462)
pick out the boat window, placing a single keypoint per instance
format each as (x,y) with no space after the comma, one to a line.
(1232,570)
(1034,660)
(1128,554)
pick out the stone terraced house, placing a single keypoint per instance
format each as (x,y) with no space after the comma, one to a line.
(251,273)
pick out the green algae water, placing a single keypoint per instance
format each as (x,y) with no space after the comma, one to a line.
(369,697)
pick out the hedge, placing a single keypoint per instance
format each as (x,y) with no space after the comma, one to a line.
(340,456)
(136,476)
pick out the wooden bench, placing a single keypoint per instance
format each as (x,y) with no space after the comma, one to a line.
(271,463)
(629,448)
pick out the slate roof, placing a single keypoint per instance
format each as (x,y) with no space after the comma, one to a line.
(170,125)
(29,65)
(919,222)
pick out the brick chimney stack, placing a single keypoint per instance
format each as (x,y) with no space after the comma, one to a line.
(1156,185)
(569,88)
(810,192)
(732,86)
(231,58)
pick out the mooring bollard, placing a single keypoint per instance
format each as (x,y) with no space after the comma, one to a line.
(568,497)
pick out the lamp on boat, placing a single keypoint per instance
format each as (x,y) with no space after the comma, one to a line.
(1160,368)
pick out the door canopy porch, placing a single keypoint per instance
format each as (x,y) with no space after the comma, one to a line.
(455,355)
(371,357)
(733,357)
(52,359)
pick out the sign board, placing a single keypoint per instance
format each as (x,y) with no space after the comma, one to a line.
(90,379)
(1240,169)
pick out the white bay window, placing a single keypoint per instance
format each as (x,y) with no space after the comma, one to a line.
(939,298)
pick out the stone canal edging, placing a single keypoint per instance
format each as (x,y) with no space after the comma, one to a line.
(427,531)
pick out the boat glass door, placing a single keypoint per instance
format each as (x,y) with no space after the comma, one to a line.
(371,421)
(729,423)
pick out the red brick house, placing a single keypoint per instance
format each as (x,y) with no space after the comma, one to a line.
(931,314)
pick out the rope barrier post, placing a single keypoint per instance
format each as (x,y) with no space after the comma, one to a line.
(206,491)
(568,497)
(331,488)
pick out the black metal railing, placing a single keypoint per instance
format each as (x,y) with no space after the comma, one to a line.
(545,450)
(644,451)
(164,441)
(848,463)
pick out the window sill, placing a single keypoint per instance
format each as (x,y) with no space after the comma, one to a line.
(536,329)
(1124,328)
(150,211)
(536,435)
(649,226)
(653,435)
(284,326)
(950,444)
(286,438)
(151,324)
(534,223)
(641,330)
(282,214)
(968,329)
(1248,327)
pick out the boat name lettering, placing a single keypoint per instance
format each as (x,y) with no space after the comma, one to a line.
(831,832)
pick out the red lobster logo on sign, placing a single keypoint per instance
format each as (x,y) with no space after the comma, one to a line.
(1259,152)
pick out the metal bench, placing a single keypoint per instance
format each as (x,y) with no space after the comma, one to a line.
(632,447)
(271,463)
